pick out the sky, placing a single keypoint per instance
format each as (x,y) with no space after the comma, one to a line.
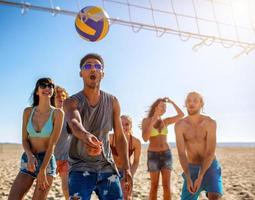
(139,68)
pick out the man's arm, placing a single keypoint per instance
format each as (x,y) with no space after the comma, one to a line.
(210,147)
(73,118)
(181,148)
(120,139)
(121,146)
(182,154)
(137,154)
(209,152)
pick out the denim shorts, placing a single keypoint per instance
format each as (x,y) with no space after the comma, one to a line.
(50,170)
(211,183)
(106,185)
(159,160)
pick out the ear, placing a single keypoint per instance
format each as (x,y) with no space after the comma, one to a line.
(102,74)
(80,74)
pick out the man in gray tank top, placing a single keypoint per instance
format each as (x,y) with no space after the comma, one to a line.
(91,114)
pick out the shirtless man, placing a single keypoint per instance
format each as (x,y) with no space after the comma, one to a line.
(196,143)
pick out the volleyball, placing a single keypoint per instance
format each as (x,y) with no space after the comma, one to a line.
(92,23)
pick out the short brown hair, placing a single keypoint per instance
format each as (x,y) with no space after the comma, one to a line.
(91,55)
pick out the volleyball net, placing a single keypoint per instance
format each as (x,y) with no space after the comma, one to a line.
(230,23)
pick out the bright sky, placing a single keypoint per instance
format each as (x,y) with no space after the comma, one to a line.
(140,67)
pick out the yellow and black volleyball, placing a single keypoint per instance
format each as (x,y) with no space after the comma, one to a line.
(92,23)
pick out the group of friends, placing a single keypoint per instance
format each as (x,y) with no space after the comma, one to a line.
(70,136)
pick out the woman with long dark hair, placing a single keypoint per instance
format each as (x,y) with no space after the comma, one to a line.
(154,129)
(41,127)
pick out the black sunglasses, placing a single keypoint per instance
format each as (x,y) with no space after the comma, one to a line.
(43,85)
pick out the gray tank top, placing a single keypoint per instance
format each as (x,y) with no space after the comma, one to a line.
(97,120)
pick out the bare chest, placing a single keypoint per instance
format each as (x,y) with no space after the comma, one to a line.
(195,133)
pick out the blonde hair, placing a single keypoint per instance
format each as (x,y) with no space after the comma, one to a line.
(198,95)
(59,89)
(126,117)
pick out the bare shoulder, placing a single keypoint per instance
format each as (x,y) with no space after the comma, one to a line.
(58,112)
(181,123)
(209,121)
(145,121)
(136,141)
(115,103)
(27,111)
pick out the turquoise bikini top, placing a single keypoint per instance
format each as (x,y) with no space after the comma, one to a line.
(46,129)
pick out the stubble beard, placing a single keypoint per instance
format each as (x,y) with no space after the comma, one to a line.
(193,112)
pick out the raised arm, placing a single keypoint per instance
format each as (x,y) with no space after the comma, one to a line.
(73,118)
(176,118)
(137,154)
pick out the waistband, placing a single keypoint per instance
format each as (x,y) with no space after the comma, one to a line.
(215,162)
(159,152)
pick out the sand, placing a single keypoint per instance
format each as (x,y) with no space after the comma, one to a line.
(238,170)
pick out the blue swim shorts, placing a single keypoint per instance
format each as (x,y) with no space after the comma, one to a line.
(211,183)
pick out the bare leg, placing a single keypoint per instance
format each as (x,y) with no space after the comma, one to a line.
(154,185)
(166,178)
(42,194)
(64,183)
(20,187)
(214,196)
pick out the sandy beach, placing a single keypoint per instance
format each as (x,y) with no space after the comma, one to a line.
(238,170)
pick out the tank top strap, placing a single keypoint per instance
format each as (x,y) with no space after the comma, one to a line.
(51,113)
